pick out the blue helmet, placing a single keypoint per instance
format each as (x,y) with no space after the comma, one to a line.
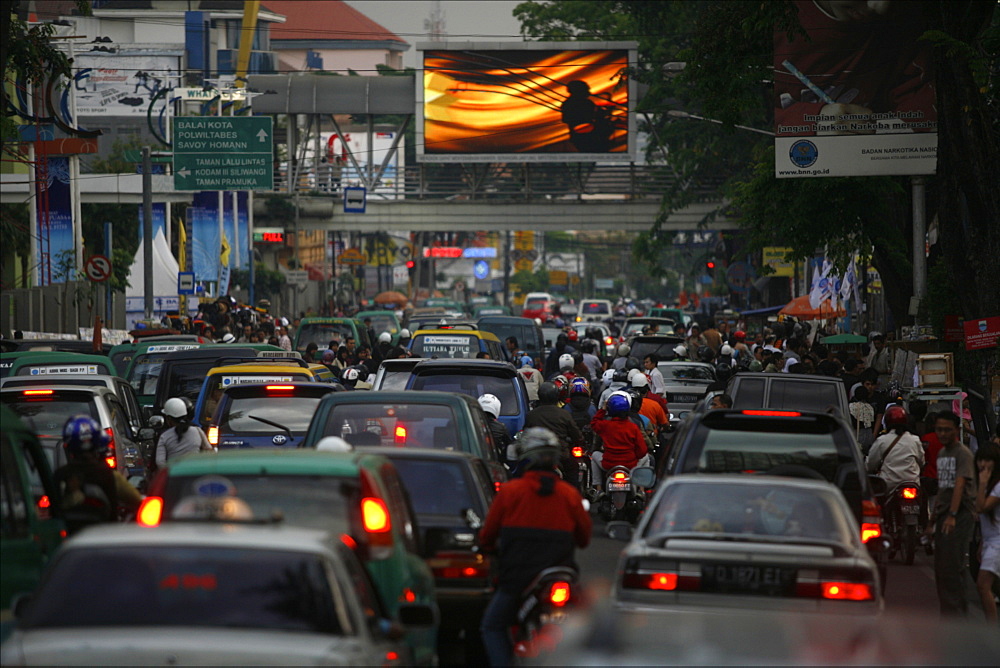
(527,361)
(619,404)
(83,434)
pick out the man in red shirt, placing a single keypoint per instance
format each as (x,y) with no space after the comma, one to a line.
(624,444)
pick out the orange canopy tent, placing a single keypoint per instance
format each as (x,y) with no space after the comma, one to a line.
(803,310)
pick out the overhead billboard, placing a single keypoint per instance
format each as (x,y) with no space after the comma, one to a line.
(526,102)
(855,94)
(122,84)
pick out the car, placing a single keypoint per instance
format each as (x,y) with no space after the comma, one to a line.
(265,415)
(635,326)
(393,374)
(607,340)
(686,383)
(788,391)
(541,305)
(451,493)
(757,542)
(205,594)
(675,314)
(382,321)
(54,364)
(143,370)
(440,420)
(322,330)
(527,333)
(451,307)
(432,321)
(350,493)
(30,519)
(594,310)
(775,442)
(121,354)
(661,344)
(459,342)
(475,378)
(272,371)
(45,411)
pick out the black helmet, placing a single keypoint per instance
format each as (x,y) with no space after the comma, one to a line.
(632,363)
(621,375)
(548,393)
(706,354)
(636,399)
(723,371)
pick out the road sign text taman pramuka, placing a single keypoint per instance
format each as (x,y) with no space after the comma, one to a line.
(220,153)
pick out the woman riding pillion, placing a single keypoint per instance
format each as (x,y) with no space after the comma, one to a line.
(179,438)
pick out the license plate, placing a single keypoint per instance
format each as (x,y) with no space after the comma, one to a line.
(911,509)
(744,579)
(686,398)
(618,486)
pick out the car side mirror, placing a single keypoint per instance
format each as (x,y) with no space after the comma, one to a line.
(643,476)
(416,615)
(619,531)
(156,422)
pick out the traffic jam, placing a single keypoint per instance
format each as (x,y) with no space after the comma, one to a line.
(429,487)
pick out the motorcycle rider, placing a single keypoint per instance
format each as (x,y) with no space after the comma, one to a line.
(91,491)
(179,439)
(649,407)
(532,377)
(501,437)
(896,456)
(580,406)
(534,523)
(553,417)
(624,442)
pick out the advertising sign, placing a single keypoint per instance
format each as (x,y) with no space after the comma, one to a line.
(953,330)
(122,84)
(54,208)
(982,333)
(774,257)
(203,221)
(526,102)
(855,95)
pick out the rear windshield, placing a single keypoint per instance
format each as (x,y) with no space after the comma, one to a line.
(146,373)
(435,487)
(736,445)
(474,386)
(693,372)
(526,335)
(221,381)
(595,307)
(46,415)
(293,412)
(799,395)
(415,425)
(394,380)
(450,346)
(383,323)
(322,333)
(664,348)
(186,378)
(198,586)
(312,501)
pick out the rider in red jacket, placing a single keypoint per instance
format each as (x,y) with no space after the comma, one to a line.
(624,444)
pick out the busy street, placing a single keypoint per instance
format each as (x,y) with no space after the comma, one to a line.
(499,332)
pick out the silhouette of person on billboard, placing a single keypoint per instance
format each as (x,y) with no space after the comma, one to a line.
(590,124)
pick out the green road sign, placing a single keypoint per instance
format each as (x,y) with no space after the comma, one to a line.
(223,153)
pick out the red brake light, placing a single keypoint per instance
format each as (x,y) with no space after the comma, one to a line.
(392,656)
(408,595)
(767,413)
(150,512)
(213,435)
(44,502)
(559,594)
(620,475)
(400,435)
(348,541)
(279,388)
(847,591)
(578,451)
(608,340)
(35,393)
(459,565)
(654,581)
(375,515)
(111,460)
(870,530)
(909,492)
(496,485)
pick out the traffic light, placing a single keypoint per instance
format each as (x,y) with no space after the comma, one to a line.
(710,266)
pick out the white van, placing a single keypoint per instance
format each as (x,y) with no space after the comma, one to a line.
(594,310)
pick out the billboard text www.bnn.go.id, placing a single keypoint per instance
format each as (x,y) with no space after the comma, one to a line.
(516,102)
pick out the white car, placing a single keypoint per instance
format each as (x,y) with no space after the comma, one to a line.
(206,594)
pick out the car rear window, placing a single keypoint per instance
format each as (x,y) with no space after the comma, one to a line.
(474,386)
(731,444)
(193,586)
(220,382)
(595,308)
(664,348)
(312,501)
(802,395)
(46,415)
(693,372)
(451,346)
(435,487)
(322,333)
(414,425)
(244,416)
(713,508)
(394,380)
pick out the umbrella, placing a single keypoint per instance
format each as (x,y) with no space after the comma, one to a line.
(840,339)
(391,297)
(803,310)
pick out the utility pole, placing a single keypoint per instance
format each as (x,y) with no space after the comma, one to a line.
(147,232)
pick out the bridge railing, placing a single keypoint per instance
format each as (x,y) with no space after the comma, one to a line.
(503,181)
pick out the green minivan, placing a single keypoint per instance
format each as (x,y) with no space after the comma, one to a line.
(54,364)
(322,330)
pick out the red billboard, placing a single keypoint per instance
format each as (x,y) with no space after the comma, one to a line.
(526,102)
(982,333)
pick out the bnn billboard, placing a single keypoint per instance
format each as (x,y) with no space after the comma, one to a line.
(526,102)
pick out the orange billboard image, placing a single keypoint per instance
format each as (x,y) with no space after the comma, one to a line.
(558,105)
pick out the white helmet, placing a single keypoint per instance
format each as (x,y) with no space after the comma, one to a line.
(333,444)
(608,377)
(490,404)
(351,374)
(726,350)
(384,337)
(680,351)
(228,337)
(404,333)
(633,373)
(640,380)
(566,361)
(177,408)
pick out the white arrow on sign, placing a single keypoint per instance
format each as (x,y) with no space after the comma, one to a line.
(184,172)
(262,135)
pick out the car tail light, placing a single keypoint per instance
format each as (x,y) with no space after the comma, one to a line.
(279,388)
(847,591)
(496,485)
(37,393)
(44,502)
(459,565)
(213,436)
(770,413)
(375,515)
(559,594)
(150,512)
(399,436)
(578,451)
(909,492)
(111,460)
(348,541)
(662,577)
(871,520)
(376,521)
(608,340)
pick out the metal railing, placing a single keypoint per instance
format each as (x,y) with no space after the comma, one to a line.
(505,181)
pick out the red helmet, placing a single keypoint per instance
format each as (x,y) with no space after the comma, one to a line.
(573,335)
(740,335)
(895,416)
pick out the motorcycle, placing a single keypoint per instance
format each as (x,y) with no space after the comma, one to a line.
(542,609)
(903,517)
(625,496)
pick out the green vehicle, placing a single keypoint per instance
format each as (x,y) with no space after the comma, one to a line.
(32,528)
(322,330)
(7,360)
(382,321)
(52,365)
(482,311)
(675,314)
(356,495)
(449,305)
(121,354)
(144,369)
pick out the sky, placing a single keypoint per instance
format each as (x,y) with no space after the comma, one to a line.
(465,20)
